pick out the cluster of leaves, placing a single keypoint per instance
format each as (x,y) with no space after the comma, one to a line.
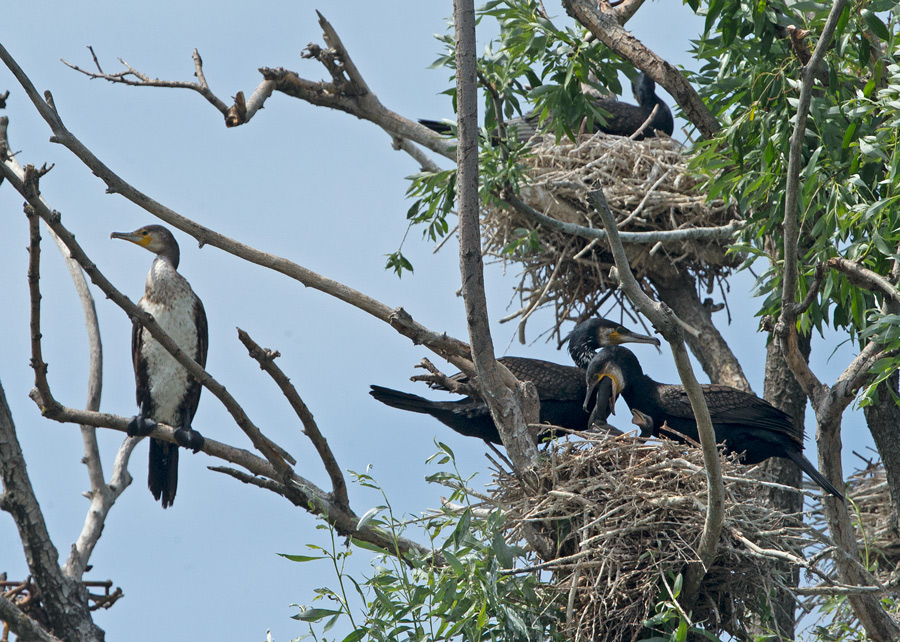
(463,590)
(532,67)
(849,189)
(474,586)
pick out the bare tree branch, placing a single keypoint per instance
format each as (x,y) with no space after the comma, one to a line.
(664,320)
(828,404)
(300,491)
(266,360)
(447,347)
(865,278)
(142,80)
(721,232)
(25,628)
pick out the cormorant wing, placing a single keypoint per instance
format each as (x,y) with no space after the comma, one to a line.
(729,405)
(552,380)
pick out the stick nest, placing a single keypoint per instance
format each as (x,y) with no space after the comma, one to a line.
(871,499)
(627,516)
(649,188)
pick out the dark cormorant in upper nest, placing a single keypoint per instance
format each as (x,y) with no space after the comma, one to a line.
(742,421)
(624,119)
(166,393)
(560,388)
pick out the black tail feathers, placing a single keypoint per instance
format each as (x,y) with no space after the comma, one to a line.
(163,476)
(807,467)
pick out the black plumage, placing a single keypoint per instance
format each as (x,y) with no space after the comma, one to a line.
(743,422)
(560,388)
(165,391)
(621,118)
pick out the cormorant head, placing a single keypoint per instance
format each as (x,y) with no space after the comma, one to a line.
(608,375)
(155,238)
(642,421)
(645,93)
(593,334)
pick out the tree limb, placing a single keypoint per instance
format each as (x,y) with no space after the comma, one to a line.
(64,598)
(300,491)
(865,278)
(25,628)
(827,403)
(266,360)
(455,351)
(663,319)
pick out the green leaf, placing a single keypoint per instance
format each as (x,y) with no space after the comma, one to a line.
(314,615)
(368,516)
(876,25)
(356,635)
(301,558)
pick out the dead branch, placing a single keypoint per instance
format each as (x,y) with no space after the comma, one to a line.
(133,77)
(441,344)
(266,360)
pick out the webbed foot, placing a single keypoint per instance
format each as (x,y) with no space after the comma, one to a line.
(189,438)
(140,426)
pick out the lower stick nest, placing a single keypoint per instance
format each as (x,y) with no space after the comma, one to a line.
(627,516)
(649,188)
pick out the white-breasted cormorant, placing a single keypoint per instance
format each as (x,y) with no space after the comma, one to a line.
(622,119)
(560,388)
(166,393)
(743,422)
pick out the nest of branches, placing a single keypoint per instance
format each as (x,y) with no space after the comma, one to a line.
(868,491)
(649,188)
(628,515)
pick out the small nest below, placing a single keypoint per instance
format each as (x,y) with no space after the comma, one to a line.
(871,498)
(648,187)
(628,516)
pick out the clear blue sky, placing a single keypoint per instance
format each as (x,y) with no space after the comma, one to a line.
(319,187)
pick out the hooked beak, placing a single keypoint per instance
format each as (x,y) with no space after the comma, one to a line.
(605,389)
(642,421)
(137,239)
(627,336)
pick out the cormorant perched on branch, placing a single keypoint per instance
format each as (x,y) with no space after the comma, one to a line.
(166,393)
(624,119)
(560,388)
(742,421)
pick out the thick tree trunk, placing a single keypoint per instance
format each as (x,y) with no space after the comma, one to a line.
(64,599)
(883,418)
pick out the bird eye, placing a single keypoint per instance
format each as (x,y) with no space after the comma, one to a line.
(620,330)
(144,232)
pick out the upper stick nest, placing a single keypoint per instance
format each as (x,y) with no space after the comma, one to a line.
(628,515)
(648,187)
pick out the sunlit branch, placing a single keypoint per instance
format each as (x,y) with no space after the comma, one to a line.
(665,321)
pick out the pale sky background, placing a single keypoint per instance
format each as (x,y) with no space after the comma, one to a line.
(316,186)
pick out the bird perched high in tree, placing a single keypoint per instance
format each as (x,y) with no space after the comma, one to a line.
(619,118)
(166,392)
(560,388)
(744,423)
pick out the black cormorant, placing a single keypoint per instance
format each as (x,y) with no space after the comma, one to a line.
(166,393)
(560,388)
(742,421)
(623,119)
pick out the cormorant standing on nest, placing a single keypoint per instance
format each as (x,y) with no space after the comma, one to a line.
(560,388)
(624,119)
(166,393)
(742,421)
